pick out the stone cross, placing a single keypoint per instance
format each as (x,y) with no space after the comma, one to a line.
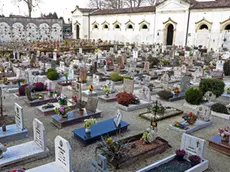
(63,153)
(128,85)
(39,134)
(99,165)
(19,116)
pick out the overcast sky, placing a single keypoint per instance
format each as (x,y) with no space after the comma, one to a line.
(60,6)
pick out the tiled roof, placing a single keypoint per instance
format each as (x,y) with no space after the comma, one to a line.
(87,10)
(125,10)
(211,4)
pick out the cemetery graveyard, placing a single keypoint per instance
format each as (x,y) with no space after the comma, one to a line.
(114,107)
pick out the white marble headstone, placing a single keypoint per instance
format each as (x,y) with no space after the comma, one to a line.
(19,116)
(63,153)
(62,66)
(39,134)
(118,118)
(54,56)
(128,85)
(147,93)
(203,113)
(192,145)
(96,79)
(220,65)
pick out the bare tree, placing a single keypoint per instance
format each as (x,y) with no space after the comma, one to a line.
(134,3)
(96,4)
(31,4)
(114,4)
(154,2)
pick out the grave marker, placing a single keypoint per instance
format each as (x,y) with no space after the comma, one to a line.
(39,134)
(165,81)
(92,104)
(147,93)
(99,165)
(96,79)
(203,113)
(63,153)
(118,118)
(116,68)
(76,89)
(146,67)
(128,85)
(185,83)
(19,116)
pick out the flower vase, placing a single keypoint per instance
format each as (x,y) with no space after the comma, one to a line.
(87,130)
(225,139)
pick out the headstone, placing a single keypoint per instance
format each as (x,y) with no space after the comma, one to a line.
(220,65)
(203,113)
(121,62)
(135,54)
(28,93)
(63,153)
(39,134)
(209,96)
(19,116)
(99,165)
(76,90)
(183,69)
(55,56)
(80,50)
(118,118)
(192,146)
(62,66)
(92,104)
(165,81)
(128,85)
(58,88)
(146,67)
(147,93)
(116,68)
(83,73)
(185,83)
(110,85)
(96,79)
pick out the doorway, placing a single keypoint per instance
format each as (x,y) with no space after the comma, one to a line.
(170,32)
(78,32)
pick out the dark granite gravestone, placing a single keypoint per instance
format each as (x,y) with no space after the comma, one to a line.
(107,127)
(92,104)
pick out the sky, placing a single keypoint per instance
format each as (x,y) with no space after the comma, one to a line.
(62,7)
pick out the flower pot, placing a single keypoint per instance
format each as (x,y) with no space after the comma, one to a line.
(81,111)
(225,139)
(179,157)
(87,130)
(4,128)
(194,163)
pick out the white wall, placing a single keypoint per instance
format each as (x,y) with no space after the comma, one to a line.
(123,34)
(215,38)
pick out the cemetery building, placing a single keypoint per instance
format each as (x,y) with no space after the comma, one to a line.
(171,22)
(30,29)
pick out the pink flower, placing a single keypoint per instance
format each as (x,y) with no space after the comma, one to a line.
(62,109)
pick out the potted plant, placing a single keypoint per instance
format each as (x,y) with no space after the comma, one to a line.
(224,134)
(88,124)
(107,90)
(2,149)
(194,159)
(180,154)
(62,111)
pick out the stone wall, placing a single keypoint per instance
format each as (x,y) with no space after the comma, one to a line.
(30,29)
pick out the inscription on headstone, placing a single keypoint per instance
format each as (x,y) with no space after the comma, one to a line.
(128,85)
(39,134)
(19,117)
(92,104)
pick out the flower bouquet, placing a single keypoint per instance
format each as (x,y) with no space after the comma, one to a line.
(88,124)
(224,134)
(107,90)
(190,118)
(2,149)
(62,100)
(62,111)
(91,88)
(176,91)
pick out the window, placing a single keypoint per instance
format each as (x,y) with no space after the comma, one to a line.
(203,26)
(95,26)
(117,26)
(130,26)
(144,26)
(227,27)
(106,26)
